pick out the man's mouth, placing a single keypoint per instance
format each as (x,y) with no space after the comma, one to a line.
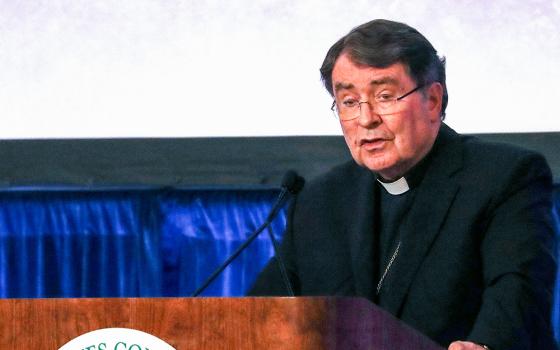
(372,144)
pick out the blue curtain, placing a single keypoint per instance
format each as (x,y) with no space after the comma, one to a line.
(130,243)
(76,244)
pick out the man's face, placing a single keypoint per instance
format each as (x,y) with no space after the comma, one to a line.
(388,144)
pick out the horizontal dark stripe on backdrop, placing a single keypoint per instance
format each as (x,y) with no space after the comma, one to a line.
(231,162)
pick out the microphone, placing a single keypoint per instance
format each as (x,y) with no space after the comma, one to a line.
(292,183)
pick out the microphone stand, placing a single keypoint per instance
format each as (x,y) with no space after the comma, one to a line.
(280,262)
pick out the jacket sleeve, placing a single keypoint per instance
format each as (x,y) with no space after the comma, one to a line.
(518,262)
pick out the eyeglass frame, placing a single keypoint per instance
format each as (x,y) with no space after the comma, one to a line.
(334,109)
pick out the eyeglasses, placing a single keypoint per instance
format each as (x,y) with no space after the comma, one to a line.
(382,104)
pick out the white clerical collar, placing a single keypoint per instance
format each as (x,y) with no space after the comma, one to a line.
(397,187)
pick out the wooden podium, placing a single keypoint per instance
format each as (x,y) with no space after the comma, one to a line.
(211,323)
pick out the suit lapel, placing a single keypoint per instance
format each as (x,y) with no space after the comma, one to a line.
(424,220)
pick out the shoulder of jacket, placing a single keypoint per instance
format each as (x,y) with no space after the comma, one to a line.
(336,176)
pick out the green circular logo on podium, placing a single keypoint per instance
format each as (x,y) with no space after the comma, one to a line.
(116,339)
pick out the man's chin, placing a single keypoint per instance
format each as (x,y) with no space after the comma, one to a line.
(378,167)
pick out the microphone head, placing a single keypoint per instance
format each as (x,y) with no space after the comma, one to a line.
(292,182)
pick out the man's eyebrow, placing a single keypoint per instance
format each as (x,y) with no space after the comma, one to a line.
(343,86)
(383,80)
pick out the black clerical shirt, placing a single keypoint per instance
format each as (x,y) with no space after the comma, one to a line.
(392,211)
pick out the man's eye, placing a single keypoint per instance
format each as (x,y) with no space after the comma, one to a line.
(384,97)
(349,103)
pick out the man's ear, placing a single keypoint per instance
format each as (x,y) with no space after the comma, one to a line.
(434,96)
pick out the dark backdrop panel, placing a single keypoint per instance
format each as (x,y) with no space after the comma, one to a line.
(194,162)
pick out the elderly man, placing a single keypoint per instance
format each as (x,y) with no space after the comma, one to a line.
(451,235)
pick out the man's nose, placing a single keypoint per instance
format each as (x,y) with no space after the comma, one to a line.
(368,117)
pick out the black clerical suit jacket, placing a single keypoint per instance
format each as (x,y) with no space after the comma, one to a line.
(476,260)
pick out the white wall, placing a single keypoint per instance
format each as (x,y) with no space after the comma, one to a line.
(162,68)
